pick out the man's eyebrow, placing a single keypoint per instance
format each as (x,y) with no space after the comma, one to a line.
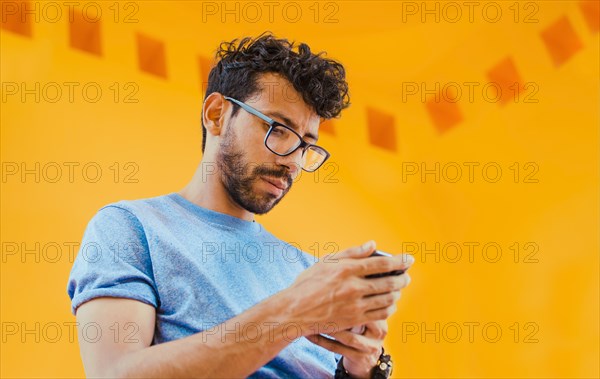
(288,122)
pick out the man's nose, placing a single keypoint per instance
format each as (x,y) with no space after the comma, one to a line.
(293,162)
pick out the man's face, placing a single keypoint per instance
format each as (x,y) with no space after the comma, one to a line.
(254,177)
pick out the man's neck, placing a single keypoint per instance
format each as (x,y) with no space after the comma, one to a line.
(208,192)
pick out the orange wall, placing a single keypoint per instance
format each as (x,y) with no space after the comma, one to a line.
(540,211)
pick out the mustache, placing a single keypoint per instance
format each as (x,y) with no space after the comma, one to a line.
(278,172)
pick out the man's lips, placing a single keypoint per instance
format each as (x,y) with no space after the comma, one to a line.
(279,183)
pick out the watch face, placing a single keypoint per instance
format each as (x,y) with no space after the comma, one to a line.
(384,367)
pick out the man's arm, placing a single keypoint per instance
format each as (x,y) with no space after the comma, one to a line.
(322,296)
(127,328)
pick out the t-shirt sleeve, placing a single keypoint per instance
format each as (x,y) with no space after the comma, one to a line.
(113,260)
(337,357)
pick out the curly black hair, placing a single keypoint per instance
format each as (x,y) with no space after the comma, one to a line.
(320,81)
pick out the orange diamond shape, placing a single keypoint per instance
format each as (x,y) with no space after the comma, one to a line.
(591,13)
(444,114)
(561,41)
(506,76)
(382,132)
(84,35)
(327,126)
(15,18)
(151,55)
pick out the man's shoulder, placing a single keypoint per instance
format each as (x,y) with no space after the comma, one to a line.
(132,213)
(142,205)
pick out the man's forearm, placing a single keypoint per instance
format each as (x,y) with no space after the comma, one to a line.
(235,348)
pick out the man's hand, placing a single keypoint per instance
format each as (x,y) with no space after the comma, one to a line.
(360,352)
(334,293)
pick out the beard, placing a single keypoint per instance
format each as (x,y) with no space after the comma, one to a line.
(239,176)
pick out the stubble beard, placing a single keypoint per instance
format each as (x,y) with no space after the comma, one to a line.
(238,177)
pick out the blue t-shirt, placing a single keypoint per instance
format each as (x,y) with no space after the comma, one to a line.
(198,268)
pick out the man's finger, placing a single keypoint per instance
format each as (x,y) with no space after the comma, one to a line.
(376,329)
(362,251)
(378,265)
(361,344)
(331,345)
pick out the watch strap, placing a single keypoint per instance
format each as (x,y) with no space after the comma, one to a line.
(382,370)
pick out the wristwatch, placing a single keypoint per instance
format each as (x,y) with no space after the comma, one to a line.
(382,370)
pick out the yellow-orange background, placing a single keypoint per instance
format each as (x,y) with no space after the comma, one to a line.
(554,299)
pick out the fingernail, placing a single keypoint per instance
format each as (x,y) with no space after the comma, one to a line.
(408,259)
(367,246)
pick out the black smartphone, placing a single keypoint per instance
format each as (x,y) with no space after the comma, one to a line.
(377,253)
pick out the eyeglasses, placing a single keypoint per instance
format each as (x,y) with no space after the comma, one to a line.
(283,140)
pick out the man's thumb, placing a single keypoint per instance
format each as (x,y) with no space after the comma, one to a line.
(362,251)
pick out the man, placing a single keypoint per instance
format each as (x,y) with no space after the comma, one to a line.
(189,285)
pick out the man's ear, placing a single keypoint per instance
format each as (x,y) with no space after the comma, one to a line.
(213,113)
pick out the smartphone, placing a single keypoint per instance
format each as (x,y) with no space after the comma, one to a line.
(378,253)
